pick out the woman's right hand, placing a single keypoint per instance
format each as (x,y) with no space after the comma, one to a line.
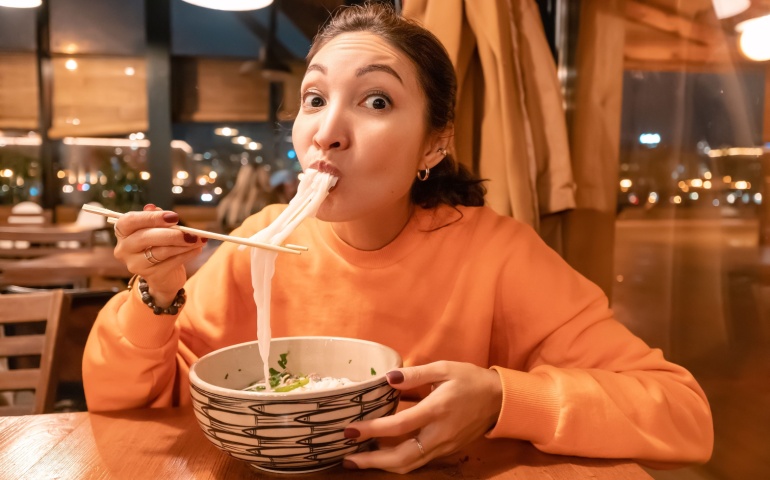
(154,251)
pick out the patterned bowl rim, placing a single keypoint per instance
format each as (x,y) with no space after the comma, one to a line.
(281,397)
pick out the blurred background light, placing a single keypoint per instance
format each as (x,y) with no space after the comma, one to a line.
(20,3)
(231,5)
(730,8)
(755,38)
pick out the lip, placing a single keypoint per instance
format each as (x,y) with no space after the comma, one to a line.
(325,167)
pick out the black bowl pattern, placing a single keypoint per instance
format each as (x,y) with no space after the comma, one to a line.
(291,435)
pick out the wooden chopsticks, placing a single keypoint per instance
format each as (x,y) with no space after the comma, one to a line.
(112,217)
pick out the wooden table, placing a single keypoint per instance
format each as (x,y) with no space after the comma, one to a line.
(168,444)
(64,267)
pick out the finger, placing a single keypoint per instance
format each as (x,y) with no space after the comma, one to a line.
(160,254)
(408,378)
(180,259)
(134,221)
(148,270)
(403,458)
(401,423)
(118,233)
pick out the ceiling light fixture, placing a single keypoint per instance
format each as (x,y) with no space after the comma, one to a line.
(730,8)
(755,38)
(20,3)
(230,5)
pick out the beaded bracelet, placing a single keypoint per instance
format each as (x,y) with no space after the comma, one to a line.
(147,299)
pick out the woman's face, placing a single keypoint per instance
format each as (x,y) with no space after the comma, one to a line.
(362,118)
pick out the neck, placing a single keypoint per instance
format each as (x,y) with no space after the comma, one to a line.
(375,230)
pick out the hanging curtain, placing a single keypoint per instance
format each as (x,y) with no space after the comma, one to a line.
(510,126)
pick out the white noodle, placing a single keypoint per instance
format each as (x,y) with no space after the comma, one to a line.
(312,191)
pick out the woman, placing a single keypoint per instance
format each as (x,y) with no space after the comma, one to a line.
(404,253)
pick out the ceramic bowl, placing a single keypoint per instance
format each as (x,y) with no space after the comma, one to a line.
(292,432)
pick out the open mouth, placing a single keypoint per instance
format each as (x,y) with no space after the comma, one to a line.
(325,167)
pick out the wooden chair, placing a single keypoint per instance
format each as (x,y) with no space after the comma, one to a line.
(27,213)
(30,241)
(20,310)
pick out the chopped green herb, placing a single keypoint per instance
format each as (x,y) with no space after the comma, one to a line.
(283,360)
(373,372)
(275,377)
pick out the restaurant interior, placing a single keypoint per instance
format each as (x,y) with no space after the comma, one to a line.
(634,136)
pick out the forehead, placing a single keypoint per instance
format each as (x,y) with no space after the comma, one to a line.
(355,49)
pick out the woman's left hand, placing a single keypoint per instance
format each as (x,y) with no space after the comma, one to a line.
(463,405)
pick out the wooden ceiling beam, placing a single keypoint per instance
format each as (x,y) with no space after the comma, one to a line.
(672,23)
(678,52)
(667,52)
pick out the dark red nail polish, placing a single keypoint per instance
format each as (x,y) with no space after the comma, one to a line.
(171,217)
(149,206)
(395,377)
(349,464)
(204,240)
(351,433)
(190,238)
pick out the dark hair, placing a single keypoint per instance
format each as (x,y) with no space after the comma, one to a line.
(449,182)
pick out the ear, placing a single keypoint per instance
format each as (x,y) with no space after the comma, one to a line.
(436,146)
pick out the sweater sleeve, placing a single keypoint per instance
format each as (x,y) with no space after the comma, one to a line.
(128,360)
(134,358)
(588,386)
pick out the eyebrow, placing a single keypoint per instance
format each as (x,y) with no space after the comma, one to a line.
(316,66)
(375,67)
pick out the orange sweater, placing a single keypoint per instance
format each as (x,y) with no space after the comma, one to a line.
(482,289)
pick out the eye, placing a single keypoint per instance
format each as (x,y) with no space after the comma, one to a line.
(312,100)
(377,101)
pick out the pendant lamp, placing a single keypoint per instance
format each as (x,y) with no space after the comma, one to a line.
(755,38)
(20,3)
(230,5)
(730,8)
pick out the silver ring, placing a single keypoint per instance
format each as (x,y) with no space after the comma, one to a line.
(149,257)
(419,445)
(117,232)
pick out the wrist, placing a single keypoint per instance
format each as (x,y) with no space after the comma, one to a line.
(162,303)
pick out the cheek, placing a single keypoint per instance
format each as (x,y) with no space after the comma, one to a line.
(301,137)
(298,131)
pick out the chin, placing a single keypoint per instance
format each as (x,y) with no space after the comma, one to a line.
(333,212)
(326,212)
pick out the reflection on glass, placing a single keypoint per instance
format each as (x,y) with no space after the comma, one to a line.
(221,154)
(20,171)
(96,96)
(705,154)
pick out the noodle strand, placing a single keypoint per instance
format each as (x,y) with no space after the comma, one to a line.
(312,191)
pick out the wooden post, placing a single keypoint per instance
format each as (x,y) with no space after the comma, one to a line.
(158,27)
(764,209)
(48,154)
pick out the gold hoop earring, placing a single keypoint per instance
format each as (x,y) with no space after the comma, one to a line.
(423,175)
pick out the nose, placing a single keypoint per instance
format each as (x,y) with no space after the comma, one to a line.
(333,132)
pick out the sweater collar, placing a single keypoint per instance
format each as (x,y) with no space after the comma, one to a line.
(417,230)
